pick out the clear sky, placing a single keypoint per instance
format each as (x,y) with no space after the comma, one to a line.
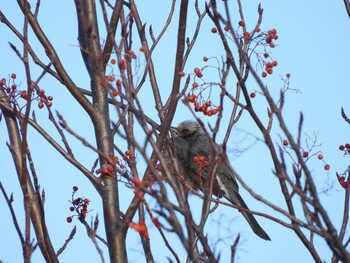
(313,46)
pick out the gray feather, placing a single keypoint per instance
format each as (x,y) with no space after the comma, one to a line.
(190,140)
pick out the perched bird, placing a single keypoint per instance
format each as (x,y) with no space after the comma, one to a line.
(194,151)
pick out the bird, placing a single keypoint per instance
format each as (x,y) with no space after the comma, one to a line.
(194,152)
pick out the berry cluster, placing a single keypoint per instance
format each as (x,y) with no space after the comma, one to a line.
(137,187)
(268,68)
(205,107)
(305,154)
(14,93)
(198,73)
(271,35)
(128,156)
(9,89)
(345,148)
(344,183)
(44,100)
(79,205)
(107,170)
(200,105)
(140,185)
(200,161)
(127,58)
(111,78)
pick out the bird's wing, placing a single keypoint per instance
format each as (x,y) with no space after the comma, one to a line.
(187,149)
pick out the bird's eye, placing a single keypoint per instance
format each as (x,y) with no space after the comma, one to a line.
(186,131)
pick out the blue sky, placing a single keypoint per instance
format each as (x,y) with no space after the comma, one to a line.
(312,46)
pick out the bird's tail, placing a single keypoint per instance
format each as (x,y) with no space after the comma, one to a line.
(236,199)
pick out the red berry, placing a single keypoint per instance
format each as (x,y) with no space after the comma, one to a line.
(241,23)
(205,59)
(227,28)
(320,156)
(195,85)
(198,72)
(69,219)
(288,75)
(127,57)
(115,92)
(257,29)
(192,98)
(274,63)
(214,30)
(272,45)
(13,76)
(76,201)
(113,61)
(182,74)
(110,78)
(264,74)
(266,55)
(72,208)
(50,98)
(41,105)
(252,95)
(305,154)
(285,142)
(23,94)
(246,36)
(142,49)
(326,167)
(342,147)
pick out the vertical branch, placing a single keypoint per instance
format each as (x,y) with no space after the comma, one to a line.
(112,27)
(36,214)
(115,227)
(24,124)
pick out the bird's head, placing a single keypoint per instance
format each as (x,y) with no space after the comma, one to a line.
(187,128)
